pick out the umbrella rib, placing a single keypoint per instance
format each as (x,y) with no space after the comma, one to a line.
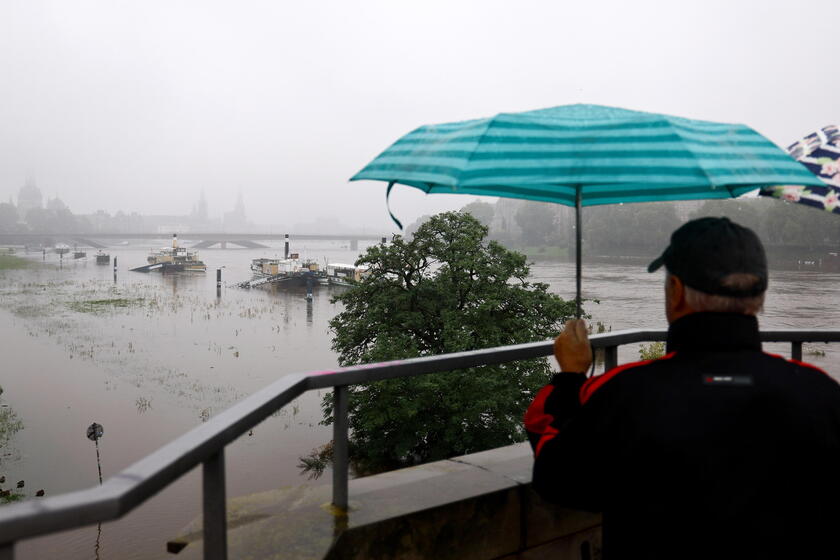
(474,150)
(690,151)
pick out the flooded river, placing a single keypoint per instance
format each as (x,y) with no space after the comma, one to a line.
(150,356)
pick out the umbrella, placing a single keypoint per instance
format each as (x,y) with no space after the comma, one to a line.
(820,153)
(583,155)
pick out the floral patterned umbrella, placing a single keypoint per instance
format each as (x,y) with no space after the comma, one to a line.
(820,153)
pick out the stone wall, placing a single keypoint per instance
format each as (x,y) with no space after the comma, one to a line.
(478,506)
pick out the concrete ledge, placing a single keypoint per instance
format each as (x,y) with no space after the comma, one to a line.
(478,506)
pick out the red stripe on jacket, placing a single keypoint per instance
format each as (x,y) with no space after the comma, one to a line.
(536,419)
(594,383)
(549,434)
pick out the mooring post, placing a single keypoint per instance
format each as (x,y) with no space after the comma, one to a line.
(286,253)
(384,240)
(218,277)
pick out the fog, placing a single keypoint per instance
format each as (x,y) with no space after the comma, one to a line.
(141,106)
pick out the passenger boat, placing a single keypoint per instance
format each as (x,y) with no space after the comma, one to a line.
(340,274)
(293,265)
(62,249)
(173,259)
(291,271)
(79,254)
(103,258)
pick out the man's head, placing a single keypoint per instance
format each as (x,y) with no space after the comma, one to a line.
(714,265)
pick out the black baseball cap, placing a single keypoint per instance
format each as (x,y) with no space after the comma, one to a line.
(705,251)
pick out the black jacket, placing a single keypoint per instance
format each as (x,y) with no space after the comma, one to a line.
(717,450)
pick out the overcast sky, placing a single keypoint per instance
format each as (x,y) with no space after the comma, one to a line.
(139,105)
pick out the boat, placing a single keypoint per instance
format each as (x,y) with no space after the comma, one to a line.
(79,254)
(291,271)
(263,267)
(103,258)
(173,259)
(340,274)
(61,249)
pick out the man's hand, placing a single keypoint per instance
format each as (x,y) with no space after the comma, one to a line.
(572,349)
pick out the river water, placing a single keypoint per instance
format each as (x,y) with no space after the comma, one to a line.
(166,354)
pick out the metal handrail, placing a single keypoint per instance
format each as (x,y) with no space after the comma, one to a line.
(205,444)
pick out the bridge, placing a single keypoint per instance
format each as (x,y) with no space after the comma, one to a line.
(203,239)
(483,499)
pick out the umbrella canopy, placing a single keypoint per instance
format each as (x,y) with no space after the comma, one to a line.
(820,153)
(581,155)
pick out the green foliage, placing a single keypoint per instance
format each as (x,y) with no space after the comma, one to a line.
(481,211)
(445,290)
(777,222)
(11,262)
(317,461)
(10,424)
(538,221)
(9,219)
(102,305)
(11,497)
(628,228)
(652,351)
(815,352)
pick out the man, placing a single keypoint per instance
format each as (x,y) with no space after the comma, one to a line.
(717,449)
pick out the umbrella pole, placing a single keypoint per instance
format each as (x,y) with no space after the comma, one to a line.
(578,238)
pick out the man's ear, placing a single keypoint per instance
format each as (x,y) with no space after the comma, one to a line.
(676,306)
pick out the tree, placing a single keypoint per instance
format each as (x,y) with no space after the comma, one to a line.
(8,218)
(445,290)
(538,222)
(481,211)
(642,228)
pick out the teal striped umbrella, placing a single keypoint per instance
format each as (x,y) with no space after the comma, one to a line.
(583,155)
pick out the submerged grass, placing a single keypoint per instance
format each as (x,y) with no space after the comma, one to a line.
(103,305)
(11,262)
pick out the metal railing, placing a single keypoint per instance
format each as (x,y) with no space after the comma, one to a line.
(206,443)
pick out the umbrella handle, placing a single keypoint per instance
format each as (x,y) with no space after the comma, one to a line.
(578,242)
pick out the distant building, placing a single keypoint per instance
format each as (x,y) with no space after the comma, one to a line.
(56,204)
(29,197)
(236,220)
(199,213)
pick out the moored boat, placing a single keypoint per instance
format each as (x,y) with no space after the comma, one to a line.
(173,259)
(340,274)
(291,271)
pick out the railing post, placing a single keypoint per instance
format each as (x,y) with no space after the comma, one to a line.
(796,350)
(215,516)
(340,452)
(610,357)
(7,551)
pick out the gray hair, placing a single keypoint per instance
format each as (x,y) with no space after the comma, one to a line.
(752,305)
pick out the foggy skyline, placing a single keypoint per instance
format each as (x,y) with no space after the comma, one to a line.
(141,106)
